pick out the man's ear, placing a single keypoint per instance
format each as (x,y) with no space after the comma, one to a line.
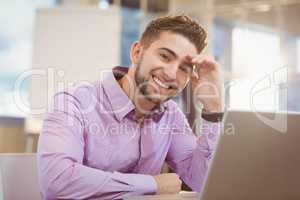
(135,52)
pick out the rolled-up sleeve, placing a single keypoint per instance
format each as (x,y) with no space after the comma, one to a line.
(62,174)
(189,155)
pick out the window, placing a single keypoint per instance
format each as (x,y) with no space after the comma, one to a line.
(255,59)
(298,55)
(16,28)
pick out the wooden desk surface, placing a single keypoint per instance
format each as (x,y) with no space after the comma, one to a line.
(182,196)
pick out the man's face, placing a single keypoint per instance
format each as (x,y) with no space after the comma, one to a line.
(164,69)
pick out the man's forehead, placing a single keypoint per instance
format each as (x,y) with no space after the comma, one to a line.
(176,43)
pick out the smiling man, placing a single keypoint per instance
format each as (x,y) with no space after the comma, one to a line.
(109,140)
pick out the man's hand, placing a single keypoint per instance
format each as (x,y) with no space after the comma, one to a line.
(207,84)
(168,183)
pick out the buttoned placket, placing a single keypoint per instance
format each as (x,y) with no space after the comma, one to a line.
(145,142)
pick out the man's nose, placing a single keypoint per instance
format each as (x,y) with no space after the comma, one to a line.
(171,72)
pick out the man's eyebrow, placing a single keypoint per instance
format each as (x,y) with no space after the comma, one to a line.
(170,51)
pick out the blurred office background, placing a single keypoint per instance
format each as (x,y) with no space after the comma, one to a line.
(256,42)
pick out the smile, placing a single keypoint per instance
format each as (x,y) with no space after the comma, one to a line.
(161,84)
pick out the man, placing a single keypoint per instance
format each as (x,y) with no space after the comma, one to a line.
(109,140)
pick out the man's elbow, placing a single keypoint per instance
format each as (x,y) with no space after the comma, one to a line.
(49,189)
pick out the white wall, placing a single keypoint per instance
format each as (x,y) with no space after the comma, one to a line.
(72,44)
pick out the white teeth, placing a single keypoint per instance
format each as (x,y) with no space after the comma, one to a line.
(160,83)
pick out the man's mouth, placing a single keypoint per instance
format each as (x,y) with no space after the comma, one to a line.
(161,84)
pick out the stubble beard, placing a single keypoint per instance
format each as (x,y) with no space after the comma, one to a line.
(142,84)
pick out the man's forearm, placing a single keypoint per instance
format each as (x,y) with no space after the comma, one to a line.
(70,180)
(202,155)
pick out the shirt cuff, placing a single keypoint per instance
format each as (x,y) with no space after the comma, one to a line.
(142,183)
(210,132)
(211,128)
(148,184)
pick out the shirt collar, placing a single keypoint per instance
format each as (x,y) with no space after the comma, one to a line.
(121,105)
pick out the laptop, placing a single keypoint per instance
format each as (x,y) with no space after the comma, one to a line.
(258,157)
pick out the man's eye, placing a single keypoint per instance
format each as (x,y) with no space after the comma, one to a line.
(164,57)
(185,69)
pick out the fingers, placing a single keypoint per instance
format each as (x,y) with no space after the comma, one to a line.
(178,182)
(169,183)
(199,58)
(206,65)
(194,73)
(202,61)
(189,57)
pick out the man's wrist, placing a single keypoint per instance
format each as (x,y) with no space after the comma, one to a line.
(215,115)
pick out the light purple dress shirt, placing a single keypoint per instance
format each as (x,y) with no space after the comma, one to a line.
(92,147)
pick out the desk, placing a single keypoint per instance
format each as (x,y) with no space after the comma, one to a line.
(181,196)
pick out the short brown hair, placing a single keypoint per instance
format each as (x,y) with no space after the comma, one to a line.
(181,24)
